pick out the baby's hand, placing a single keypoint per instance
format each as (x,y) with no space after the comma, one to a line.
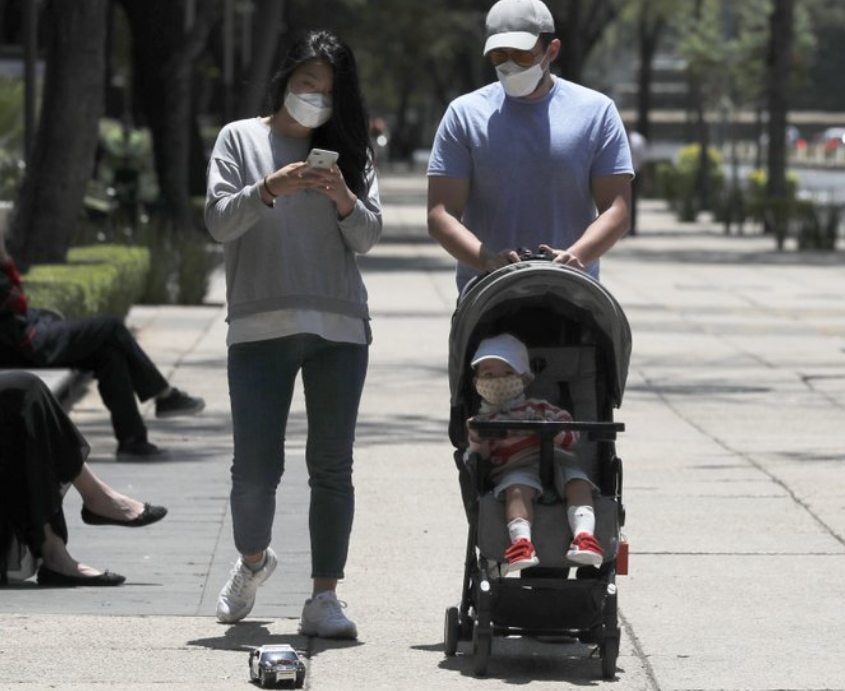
(476,443)
(482,448)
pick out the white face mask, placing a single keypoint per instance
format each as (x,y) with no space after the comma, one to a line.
(309,109)
(519,81)
(498,390)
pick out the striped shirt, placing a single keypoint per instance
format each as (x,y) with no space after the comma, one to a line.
(521,448)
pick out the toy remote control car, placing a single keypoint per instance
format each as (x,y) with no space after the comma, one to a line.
(272,664)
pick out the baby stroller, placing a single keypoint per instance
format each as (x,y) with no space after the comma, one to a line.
(579,344)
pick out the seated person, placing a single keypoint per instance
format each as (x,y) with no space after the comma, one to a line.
(502,372)
(41,453)
(31,337)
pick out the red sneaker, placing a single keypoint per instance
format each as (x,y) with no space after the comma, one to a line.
(520,555)
(585,550)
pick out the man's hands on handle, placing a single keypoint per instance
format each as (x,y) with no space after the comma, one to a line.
(447,198)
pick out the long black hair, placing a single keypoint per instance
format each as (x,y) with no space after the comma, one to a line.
(347,132)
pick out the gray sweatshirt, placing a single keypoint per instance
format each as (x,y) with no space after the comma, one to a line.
(296,254)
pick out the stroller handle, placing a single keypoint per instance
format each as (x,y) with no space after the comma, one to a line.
(526,255)
(547,428)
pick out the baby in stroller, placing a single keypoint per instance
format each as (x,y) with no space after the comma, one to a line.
(502,371)
(578,345)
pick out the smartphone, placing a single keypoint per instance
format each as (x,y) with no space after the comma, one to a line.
(322,158)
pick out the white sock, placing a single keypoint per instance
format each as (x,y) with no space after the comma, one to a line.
(518,529)
(582,519)
(257,566)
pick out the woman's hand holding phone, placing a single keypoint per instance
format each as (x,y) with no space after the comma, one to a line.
(285,181)
(318,172)
(329,180)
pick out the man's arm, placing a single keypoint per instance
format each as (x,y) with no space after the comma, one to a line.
(612,194)
(447,198)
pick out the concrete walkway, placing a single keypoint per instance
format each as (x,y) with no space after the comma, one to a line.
(734,491)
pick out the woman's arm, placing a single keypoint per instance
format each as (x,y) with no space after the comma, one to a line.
(231,208)
(12,297)
(361,228)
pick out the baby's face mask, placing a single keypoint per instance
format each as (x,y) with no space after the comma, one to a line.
(497,390)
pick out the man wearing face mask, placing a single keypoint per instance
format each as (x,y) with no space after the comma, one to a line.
(530,160)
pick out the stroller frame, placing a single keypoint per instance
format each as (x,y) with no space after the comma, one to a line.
(543,600)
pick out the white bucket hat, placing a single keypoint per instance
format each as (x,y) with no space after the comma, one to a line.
(506,348)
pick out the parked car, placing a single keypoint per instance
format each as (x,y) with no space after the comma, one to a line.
(832,139)
(270,665)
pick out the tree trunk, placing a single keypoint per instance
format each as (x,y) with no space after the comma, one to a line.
(52,193)
(163,59)
(650,29)
(267,25)
(703,136)
(579,27)
(702,131)
(779,62)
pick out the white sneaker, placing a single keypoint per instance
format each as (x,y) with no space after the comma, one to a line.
(238,595)
(323,616)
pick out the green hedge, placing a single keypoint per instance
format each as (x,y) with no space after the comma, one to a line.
(677,181)
(97,279)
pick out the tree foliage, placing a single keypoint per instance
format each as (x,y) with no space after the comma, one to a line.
(580,26)
(414,57)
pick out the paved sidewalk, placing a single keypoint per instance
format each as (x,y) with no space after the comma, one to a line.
(734,486)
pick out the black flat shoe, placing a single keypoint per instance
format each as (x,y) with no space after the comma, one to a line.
(49,577)
(138,450)
(150,514)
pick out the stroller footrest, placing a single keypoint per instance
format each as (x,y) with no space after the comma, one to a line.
(527,603)
(550,533)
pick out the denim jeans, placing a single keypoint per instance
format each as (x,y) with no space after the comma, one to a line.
(261,380)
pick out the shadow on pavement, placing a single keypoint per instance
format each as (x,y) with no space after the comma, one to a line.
(521,661)
(252,634)
(247,635)
(728,257)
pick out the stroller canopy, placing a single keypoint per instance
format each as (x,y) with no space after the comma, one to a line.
(570,293)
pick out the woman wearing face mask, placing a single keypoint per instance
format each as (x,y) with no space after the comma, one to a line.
(296,303)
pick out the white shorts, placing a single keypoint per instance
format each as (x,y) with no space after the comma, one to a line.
(529,476)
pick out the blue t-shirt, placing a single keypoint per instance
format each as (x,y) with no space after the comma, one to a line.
(530,163)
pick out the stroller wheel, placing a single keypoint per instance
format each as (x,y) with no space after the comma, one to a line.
(482,642)
(451,631)
(609,650)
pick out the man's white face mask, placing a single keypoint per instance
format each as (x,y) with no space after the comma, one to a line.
(519,81)
(309,109)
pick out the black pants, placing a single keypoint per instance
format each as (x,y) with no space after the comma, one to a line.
(103,346)
(40,450)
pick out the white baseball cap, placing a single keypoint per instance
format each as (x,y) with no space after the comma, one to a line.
(506,348)
(517,24)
